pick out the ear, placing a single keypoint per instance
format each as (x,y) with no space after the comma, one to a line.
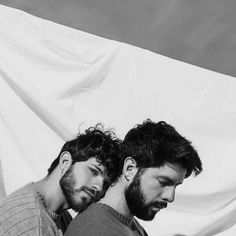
(65,162)
(129,169)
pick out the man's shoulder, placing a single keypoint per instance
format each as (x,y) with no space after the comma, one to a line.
(18,211)
(95,213)
(94,221)
(17,201)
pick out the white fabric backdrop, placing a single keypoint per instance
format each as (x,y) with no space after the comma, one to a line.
(55,81)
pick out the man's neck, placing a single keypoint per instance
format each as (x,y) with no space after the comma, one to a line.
(50,190)
(115,198)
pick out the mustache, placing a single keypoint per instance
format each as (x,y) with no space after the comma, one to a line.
(160,204)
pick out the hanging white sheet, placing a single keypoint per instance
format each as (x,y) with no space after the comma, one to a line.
(55,81)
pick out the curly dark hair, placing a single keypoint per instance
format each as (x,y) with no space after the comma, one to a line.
(95,142)
(153,144)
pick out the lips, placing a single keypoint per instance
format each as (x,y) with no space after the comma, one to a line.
(91,193)
(160,205)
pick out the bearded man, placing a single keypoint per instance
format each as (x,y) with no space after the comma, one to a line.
(77,177)
(156,159)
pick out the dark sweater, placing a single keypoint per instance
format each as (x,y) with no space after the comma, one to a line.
(102,220)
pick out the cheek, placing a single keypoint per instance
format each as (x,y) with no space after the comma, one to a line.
(81,179)
(152,191)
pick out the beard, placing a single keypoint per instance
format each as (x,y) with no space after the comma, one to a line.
(67,183)
(136,201)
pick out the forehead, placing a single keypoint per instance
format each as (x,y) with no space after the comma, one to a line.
(174,172)
(93,162)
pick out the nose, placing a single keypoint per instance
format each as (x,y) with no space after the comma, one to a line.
(98,184)
(169,194)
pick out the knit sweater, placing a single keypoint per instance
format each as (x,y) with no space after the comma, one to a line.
(102,220)
(24,213)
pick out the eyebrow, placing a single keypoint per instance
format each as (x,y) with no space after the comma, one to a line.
(98,168)
(170,180)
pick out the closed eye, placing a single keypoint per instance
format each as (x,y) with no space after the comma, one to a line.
(164,183)
(94,171)
(168,183)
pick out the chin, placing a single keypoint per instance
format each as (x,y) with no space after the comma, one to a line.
(146,214)
(148,218)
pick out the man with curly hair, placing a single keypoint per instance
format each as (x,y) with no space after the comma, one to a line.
(77,177)
(156,159)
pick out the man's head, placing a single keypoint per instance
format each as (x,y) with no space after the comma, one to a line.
(156,159)
(88,164)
